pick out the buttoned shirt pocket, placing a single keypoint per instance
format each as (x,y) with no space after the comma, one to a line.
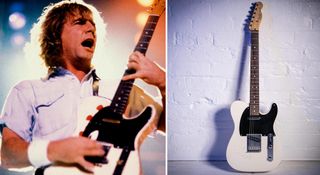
(54,113)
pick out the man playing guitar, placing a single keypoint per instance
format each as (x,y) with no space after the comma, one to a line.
(39,115)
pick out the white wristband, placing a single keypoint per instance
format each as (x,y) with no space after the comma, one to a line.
(37,153)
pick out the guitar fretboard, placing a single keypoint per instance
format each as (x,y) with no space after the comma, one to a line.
(254,74)
(120,99)
(147,33)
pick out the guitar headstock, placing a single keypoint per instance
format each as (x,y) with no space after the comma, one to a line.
(256,17)
(158,7)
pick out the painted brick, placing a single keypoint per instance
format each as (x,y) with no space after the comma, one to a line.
(208,68)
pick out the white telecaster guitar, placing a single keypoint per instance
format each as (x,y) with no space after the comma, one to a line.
(104,121)
(254,145)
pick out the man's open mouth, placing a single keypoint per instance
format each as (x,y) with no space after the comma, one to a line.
(88,43)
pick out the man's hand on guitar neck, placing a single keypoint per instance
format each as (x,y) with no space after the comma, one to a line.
(147,70)
(151,73)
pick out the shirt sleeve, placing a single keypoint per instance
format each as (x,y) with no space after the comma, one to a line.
(17,112)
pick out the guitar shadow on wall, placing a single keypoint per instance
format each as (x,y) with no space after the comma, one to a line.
(222,118)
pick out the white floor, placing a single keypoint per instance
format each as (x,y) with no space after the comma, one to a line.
(222,168)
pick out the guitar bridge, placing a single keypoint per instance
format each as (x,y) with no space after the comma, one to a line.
(270,147)
(253,142)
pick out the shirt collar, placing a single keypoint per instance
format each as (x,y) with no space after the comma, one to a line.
(60,71)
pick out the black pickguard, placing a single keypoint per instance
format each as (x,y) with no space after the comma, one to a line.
(262,124)
(114,129)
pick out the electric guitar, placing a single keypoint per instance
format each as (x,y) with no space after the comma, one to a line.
(254,145)
(105,122)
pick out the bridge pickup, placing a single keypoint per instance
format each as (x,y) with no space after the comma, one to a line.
(270,147)
(254,118)
(253,142)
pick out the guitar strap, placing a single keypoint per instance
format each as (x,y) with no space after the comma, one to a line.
(95,83)
(40,170)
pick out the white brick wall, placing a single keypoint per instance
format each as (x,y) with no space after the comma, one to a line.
(208,69)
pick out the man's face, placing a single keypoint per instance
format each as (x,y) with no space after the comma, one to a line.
(78,39)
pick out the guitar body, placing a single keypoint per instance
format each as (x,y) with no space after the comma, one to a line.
(238,155)
(121,137)
(254,145)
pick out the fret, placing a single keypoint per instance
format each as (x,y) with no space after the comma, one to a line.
(254,98)
(147,30)
(254,103)
(147,36)
(144,40)
(143,44)
(141,49)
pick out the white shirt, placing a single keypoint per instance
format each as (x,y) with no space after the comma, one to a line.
(47,108)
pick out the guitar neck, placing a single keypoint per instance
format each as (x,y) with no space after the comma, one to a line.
(147,34)
(120,99)
(254,74)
